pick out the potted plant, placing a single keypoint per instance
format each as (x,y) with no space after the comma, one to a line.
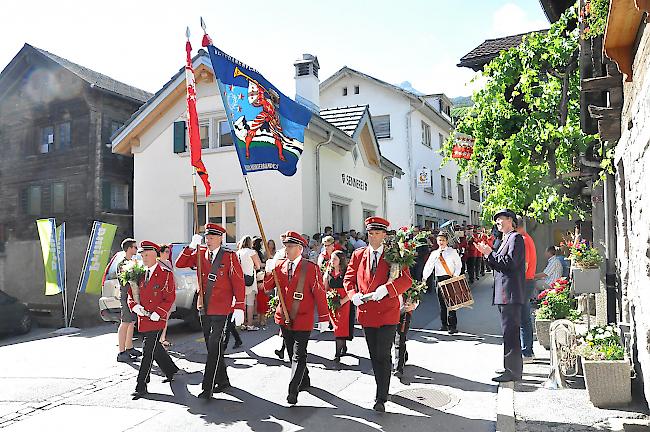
(553,303)
(585,267)
(605,368)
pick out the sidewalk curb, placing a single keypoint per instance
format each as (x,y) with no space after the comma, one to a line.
(506,407)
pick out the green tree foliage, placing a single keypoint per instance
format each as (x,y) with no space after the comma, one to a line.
(526,123)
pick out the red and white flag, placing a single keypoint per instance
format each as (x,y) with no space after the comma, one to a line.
(193,123)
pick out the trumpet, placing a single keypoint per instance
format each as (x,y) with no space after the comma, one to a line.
(237,72)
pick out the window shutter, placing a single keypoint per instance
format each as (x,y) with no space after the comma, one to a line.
(106,195)
(179,137)
(381,124)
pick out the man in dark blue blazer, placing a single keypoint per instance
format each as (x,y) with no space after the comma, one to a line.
(509,265)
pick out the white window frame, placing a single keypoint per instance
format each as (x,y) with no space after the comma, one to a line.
(214,133)
(203,206)
(426,134)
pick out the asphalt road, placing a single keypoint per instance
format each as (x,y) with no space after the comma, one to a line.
(52,382)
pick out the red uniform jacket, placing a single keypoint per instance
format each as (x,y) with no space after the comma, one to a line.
(313,294)
(229,283)
(158,296)
(358,279)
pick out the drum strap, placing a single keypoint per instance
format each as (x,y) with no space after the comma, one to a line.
(444,265)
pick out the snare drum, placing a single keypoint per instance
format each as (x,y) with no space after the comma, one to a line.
(456,293)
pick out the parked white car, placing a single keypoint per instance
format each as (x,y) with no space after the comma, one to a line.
(186,288)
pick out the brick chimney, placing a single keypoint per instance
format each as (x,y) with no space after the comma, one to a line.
(307,82)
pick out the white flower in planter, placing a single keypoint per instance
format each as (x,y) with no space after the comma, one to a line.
(607,334)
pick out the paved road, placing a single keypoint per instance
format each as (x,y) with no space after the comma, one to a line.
(74,382)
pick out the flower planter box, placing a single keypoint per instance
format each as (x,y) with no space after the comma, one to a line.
(608,382)
(542,327)
(585,280)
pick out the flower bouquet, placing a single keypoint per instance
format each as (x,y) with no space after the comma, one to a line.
(333,300)
(556,303)
(132,273)
(416,292)
(400,249)
(274,301)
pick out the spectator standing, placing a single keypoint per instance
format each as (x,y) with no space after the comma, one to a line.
(262,300)
(529,292)
(326,254)
(250,263)
(343,317)
(509,267)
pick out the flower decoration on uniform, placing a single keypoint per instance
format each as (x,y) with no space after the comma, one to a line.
(131,271)
(416,292)
(333,299)
(274,301)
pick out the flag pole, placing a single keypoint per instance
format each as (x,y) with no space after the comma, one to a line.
(287,319)
(83,271)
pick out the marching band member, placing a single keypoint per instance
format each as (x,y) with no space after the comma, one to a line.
(156,295)
(368,273)
(302,289)
(223,279)
(445,263)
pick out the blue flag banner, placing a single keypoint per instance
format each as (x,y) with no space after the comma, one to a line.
(267,127)
(97,255)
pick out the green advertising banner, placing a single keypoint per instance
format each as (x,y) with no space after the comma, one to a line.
(47,234)
(97,256)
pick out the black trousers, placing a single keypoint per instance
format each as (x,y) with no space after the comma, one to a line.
(473,268)
(510,326)
(231,330)
(215,366)
(380,340)
(400,341)
(296,344)
(153,350)
(482,265)
(447,318)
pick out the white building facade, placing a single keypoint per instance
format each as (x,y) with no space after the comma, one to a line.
(410,129)
(340,180)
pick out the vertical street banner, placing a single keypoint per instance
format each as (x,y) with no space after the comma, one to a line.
(47,233)
(267,127)
(97,256)
(60,255)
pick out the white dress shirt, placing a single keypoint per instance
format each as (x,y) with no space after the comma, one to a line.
(214,254)
(433,263)
(379,250)
(150,270)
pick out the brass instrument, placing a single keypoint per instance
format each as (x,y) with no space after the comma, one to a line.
(448,228)
(564,360)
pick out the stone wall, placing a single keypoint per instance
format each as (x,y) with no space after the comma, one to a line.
(632,218)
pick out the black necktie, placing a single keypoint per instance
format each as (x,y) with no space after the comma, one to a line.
(373,268)
(146,276)
(290,274)
(211,256)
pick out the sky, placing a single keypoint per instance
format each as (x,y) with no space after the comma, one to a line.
(142,42)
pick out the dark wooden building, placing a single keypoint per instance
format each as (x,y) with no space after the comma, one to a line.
(56,119)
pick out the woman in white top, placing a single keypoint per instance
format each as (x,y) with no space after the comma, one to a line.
(250,263)
(445,263)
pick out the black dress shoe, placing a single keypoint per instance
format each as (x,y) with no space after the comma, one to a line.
(237,344)
(280,354)
(453,330)
(205,394)
(138,394)
(292,399)
(505,377)
(221,387)
(379,406)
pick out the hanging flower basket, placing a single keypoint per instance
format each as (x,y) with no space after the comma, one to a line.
(585,280)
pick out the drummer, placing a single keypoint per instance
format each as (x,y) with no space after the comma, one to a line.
(445,263)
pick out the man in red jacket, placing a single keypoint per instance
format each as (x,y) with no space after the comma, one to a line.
(223,280)
(151,303)
(377,300)
(301,287)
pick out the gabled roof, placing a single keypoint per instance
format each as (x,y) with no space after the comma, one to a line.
(490,49)
(554,8)
(421,99)
(345,118)
(95,79)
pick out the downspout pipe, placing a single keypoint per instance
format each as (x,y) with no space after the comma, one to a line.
(318,198)
(409,152)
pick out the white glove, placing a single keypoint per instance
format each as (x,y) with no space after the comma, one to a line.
(138,310)
(323,326)
(196,240)
(380,293)
(154,317)
(238,317)
(356,299)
